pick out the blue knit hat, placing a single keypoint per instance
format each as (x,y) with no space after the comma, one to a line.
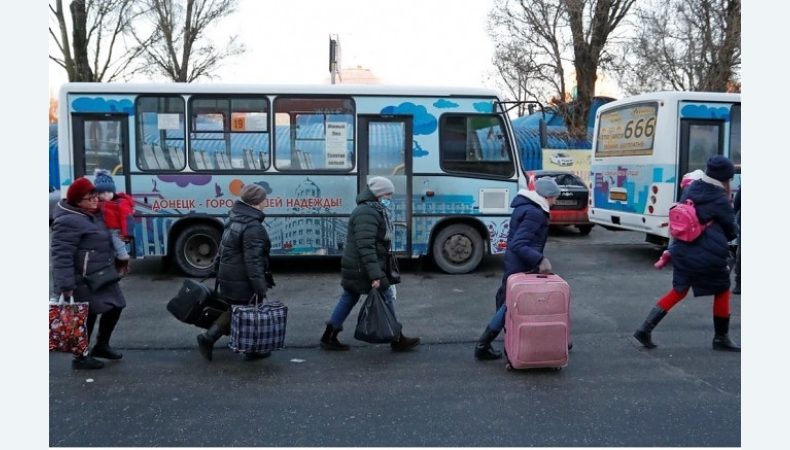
(103,181)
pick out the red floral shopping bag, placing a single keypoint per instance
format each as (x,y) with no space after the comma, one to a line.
(67,330)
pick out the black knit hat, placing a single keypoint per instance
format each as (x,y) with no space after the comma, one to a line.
(720,168)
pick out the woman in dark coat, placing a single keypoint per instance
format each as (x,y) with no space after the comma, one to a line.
(242,264)
(82,244)
(529,230)
(364,258)
(701,265)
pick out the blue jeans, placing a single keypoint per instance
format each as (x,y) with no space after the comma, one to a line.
(498,321)
(346,303)
(118,244)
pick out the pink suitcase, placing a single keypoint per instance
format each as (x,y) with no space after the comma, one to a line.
(537,321)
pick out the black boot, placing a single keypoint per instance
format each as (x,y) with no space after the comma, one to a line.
(642,334)
(206,341)
(721,340)
(102,349)
(107,324)
(329,339)
(403,343)
(483,349)
(86,363)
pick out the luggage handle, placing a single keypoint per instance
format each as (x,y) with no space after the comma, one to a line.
(541,275)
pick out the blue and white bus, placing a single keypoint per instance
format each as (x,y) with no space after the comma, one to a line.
(643,145)
(184,151)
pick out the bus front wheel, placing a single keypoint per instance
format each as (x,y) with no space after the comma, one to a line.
(195,250)
(458,249)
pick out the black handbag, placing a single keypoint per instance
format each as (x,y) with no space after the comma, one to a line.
(391,269)
(100,278)
(376,323)
(196,304)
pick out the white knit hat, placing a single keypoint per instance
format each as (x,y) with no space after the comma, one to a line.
(380,186)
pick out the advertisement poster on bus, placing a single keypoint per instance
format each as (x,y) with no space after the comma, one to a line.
(574,161)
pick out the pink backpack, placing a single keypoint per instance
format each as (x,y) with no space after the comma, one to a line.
(684,225)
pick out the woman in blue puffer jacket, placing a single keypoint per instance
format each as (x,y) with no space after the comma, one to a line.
(701,265)
(527,235)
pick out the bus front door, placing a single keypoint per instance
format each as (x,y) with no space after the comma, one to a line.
(385,150)
(101,141)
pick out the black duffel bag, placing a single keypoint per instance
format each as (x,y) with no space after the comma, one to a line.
(196,304)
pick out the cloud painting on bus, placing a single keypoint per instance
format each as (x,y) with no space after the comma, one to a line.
(422,123)
(106,104)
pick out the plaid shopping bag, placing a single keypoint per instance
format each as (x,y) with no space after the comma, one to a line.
(67,330)
(259,327)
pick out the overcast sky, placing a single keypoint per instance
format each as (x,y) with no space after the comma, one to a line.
(436,42)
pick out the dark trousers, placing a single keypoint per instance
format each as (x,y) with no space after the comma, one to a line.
(106,324)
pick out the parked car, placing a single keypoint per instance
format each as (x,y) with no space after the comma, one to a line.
(571,205)
(561,159)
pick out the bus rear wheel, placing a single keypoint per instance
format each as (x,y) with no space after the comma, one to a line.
(195,249)
(458,249)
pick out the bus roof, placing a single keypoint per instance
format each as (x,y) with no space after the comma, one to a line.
(320,89)
(675,96)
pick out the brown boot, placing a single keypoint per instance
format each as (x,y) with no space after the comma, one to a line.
(329,339)
(403,343)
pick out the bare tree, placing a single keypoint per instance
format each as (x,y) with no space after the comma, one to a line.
(179,48)
(89,38)
(689,45)
(550,36)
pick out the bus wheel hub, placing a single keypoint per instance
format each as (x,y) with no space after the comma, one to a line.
(458,248)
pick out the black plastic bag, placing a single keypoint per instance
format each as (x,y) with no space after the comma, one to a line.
(376,323)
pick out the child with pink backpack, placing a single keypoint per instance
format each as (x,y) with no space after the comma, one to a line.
(700,262)
(687,179)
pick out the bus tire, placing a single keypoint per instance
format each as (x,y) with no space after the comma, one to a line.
(458,249)
(584,230)
(195,249)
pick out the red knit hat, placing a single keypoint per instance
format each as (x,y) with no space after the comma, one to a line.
(78,190)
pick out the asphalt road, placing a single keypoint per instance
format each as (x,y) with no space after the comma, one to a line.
(613,393)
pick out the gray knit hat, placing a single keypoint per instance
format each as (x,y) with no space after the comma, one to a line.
(380,186)
(546,187)
(253,194)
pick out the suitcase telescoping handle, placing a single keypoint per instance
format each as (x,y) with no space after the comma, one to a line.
(541,275)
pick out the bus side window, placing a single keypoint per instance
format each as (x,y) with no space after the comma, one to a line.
(177,158)
(149,161)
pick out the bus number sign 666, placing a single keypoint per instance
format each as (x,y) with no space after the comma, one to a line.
(638,130)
